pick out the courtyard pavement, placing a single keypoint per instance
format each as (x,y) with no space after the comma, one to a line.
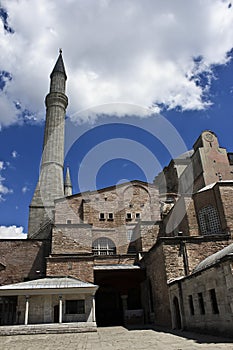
(116,338)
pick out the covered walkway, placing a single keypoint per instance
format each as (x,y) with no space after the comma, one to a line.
(48,300)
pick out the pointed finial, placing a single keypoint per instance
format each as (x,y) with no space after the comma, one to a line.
(68,184)
(59,66)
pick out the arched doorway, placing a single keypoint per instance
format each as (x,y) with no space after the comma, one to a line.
(177,316)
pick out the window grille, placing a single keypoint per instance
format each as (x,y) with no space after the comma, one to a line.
(103,246)
(75,307)
(209,220)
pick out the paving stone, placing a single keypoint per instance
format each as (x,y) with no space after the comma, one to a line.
(116,338)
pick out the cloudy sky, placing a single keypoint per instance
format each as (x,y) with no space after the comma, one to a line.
(124,58)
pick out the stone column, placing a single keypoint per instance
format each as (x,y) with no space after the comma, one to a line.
(26,310)
(60,308)
(93,308)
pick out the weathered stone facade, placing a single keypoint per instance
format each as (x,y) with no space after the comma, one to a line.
(22,260)
(205,299)
(132,239)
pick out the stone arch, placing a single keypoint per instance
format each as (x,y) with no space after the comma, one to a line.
(134,186)
(134,191)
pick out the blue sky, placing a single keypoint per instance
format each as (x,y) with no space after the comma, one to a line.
(172,60)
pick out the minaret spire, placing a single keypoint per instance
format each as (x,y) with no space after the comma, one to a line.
(50,185)
(59,65)
(68,185)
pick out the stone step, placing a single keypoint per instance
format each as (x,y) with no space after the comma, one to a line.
(54,328)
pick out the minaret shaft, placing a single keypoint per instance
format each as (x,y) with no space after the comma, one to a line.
(50,185)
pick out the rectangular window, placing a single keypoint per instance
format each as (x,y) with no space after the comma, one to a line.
(214,302)
(129,235)
(110,216)
(191,306)
(75,307)
(201,304)
(68,221)
(128,216)
(102,216)
(137,215)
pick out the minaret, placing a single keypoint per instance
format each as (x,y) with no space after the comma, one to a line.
(68,185)
(50,185)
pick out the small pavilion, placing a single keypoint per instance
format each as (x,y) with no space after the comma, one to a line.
(48,300)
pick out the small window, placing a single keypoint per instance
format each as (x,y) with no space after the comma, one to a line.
(138,216)
(130,205)
(214,302)
(102,216)
(110,216)
(75,307)
(68,221)
(191,306)
(129,235)
(128,216)
(201,304)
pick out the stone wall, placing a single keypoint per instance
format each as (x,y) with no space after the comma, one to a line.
(148,235)
(220,197)
(22,260)
(81,219)
(78,267)
(173,258)
(156,273)
(226,192)
(181,220)
(71,238)
(183,255)
(217,318)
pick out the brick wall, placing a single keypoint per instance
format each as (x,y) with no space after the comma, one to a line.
(22,259)
(78,267)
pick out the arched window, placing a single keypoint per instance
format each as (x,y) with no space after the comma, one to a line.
(103,246)
(209,220)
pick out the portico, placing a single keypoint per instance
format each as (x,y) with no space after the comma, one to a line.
(51,300)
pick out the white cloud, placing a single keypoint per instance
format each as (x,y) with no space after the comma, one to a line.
(3,189)
(12,232)
(130,51)
(14,154)
(25,189)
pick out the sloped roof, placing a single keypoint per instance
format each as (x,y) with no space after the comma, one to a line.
(222,182)
(48,283)
(214,258)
